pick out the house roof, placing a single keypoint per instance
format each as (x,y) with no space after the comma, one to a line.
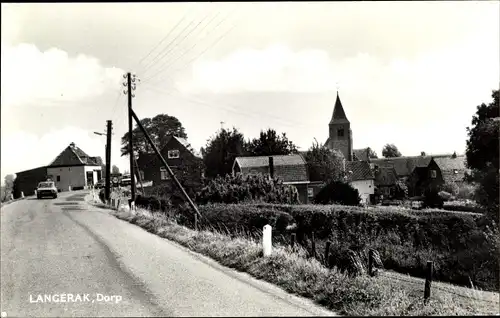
(360,170)
(403,165)
(289,168)
(187,145)
(452,169)
(73,156)
(385,176)
(360,154)
(339,115)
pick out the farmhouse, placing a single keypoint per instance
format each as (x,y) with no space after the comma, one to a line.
(72,168)
(291,169)
(186,164)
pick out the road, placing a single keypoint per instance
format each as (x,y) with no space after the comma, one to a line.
(63,248)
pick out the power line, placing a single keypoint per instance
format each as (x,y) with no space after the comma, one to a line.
(164,67)
(164,38)
(200,54)
(167,50)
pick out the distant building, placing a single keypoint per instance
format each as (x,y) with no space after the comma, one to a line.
(291,169)
(71,168)
(360,177)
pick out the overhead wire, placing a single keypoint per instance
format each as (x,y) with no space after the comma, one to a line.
(169,47)
(166,66)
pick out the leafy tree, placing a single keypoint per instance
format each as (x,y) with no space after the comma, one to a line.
(115,169)
(372,154)
(401,190)
(324,164)
(482,154)
(338,192)
(160,128)
(220,152)
(390,151)
(8,187)
(270,143)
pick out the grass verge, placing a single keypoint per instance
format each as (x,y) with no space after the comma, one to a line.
(296,274)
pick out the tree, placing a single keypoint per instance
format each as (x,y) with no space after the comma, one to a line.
(372,154)
(390,151)
(482,154)
(220,152)
(8,187)
(324,164)
(115,169)
(270,143)
(160,128)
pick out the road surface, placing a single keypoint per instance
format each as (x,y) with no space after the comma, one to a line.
(62,257)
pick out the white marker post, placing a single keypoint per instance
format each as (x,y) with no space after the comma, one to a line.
(22,194)
(267,242)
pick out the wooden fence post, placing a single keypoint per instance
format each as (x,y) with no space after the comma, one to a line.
(292,242)
(370,262)
(313,245)
(327,253)
(428,281)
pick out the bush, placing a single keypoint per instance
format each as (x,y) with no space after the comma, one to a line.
(451,188)
(432,199)
(444,195)
(338,192)
(458,243)
(235,189)
(466,192)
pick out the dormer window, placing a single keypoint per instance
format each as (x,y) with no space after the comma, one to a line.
(173,154)
(340,132)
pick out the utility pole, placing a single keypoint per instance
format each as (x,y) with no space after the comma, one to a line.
(130,139)
(107,190)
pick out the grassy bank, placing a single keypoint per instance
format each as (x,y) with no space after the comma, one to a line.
(297,274)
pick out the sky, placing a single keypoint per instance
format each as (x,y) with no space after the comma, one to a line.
(407,73)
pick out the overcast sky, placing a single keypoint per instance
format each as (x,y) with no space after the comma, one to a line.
(409,73)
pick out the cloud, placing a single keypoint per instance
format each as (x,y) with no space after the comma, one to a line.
(32,77)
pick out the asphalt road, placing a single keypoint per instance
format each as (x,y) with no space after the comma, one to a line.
(63,258)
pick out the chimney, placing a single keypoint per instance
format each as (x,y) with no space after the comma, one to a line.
(72,145)
(271,167)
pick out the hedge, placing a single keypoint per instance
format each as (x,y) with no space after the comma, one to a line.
(460,245)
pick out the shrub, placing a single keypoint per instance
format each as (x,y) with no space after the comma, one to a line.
(432,198)
(451,188)
(338,192)
(466,192)
(235,189)
(401,190)
(444,195)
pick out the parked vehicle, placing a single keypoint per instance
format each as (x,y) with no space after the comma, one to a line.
(46,188)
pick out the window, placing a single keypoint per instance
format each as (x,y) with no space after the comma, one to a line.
(164,174)
(172,154)
(310,192)
(433,174)
(58,178)
(340,132)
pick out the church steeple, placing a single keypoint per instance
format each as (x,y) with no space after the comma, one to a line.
(340,134)
(338,112)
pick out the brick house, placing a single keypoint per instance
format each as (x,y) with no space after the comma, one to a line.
(291,169)
(424,177)
(186,164)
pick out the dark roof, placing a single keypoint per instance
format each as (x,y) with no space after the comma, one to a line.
(73,156)
(385,176)
(289,168)
(360,154)
(452,169)
(360,170)
(339,115)
(403,165)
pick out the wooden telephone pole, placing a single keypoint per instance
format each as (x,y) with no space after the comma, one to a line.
(107,191)
(131,86)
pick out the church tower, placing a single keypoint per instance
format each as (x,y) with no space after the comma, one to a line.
(340,134)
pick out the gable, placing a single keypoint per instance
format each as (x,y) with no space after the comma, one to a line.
(66,158)
(180,144)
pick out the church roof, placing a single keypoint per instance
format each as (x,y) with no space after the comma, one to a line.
(338,112)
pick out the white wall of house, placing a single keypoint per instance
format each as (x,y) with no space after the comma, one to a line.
(93,169)
(365,188)
(68,176)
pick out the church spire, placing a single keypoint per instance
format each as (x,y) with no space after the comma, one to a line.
(338,112)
